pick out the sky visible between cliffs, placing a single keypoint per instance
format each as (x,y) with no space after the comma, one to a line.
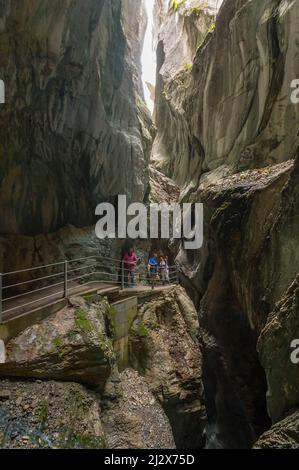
(149,56)
(149,59)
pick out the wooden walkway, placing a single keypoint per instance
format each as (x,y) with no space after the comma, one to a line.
(25,304)
(65,279)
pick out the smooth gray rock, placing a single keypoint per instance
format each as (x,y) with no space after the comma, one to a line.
(74,130)
(231,106)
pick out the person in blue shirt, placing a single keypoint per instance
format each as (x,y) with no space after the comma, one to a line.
(153,268)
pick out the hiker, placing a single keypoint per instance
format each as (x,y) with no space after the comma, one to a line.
(167,269)
(130,262)
(163,269)
(153,268)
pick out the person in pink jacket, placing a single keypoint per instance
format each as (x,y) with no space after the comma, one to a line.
(130,262)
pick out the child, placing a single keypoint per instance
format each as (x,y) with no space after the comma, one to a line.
(163,269)
(167,269)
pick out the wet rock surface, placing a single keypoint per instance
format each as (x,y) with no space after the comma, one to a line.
(165,348)
(234,283)
(49,415)
(136,420)
(275,351)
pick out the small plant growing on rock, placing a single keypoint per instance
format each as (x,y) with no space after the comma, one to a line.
(142,330)
(43,413)
(197,8)
(82,322)
(82,441)
(59,346)
(176,4)
(212,27)
(165,94)
(188,67)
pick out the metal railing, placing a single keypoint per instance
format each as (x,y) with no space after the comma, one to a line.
(27,287)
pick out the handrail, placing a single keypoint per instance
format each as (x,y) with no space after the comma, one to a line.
(32,281)
(35,268)
(105,270)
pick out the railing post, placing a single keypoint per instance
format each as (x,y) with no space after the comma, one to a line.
(153,278)
(177,277)
(65,279)
(122,275)
(1,298)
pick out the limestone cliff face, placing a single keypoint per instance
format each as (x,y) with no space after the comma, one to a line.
(248,261)
(180,32)
(74,129)
(228,135)
(230,109)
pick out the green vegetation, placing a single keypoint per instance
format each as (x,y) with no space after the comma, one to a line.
(212,27)
(176,4)
(198,7)
(89,442)
(71,439)
(82,322)
(210,30)
(142,330)
(59,346)
(90,299)
(43,413)
(188,67)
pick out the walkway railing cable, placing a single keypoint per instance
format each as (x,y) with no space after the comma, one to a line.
(15,292)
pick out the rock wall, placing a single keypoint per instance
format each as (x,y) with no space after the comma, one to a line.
(274,346)
(155,401)
(166,348)
(230,109)
(228,136)
(283,435)
(74,130)
(180,31)
(45,415)
(248,261)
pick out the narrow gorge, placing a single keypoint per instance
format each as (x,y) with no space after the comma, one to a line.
(210,361)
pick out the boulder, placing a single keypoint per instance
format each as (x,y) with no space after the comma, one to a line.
(283,435)
(71,345)
(135,419)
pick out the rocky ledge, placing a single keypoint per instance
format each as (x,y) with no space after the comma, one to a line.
(154,401)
